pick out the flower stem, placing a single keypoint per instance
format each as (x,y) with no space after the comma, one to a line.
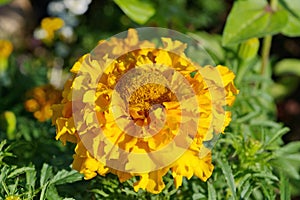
(265,53)
(267,42)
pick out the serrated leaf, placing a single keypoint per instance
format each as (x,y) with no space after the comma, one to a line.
(46,174)
(52,194)
(30,181)
(226,169)
(137,10)
(252,18)
(288,66)
(19,171)
(64,176)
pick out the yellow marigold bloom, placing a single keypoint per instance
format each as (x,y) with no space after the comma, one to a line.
(50,25)
(40,101)
(143,113)
(6,48)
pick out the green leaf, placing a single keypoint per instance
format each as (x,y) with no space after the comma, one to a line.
(46,174)
(288,66)
(284,187)
(19,171)
(137,10)
(266,176)
(226,169)
(64,176)
(211,191)
(292,6)
(198,196)
(100,192)
(292,147)
(30,181)
(278,135)
(211,43)
(288,168)
(252,18)
(52,193)
(292,29)
(246,190)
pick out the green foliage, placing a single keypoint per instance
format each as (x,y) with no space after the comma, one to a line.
(139,11)
(252,18)
(26,183)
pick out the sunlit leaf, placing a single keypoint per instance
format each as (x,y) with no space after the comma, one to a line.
(252,18)
(137,10)
(64,176)
(46,174)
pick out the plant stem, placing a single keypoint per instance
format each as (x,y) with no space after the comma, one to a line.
(267,43)
(274,4)
(265,53)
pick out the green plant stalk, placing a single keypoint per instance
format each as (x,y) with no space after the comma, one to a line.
(267,41)
(265,53)
(244,67)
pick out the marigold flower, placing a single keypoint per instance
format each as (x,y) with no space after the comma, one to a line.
(143,113)
(40,101)
(49,26)
(6,48)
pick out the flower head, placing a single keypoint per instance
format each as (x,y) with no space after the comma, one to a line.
(40,101)
(6,48)
(49,26)
(144,112)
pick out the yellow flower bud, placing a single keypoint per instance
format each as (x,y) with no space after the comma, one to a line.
(8,124)
(248,49)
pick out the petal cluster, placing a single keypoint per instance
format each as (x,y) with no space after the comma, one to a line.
(40,99)
(134,111)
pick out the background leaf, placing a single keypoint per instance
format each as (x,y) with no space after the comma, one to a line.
(288,66)
(3,2)
(252,18)
(137,10)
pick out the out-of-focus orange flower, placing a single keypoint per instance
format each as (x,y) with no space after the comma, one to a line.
(6,48)
(49,26)
(40,101)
